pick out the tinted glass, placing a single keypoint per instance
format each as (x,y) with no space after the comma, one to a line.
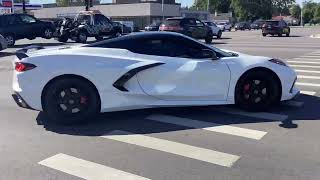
(191,22)
(272,23)
(84,18)
(172,22)
(27,19)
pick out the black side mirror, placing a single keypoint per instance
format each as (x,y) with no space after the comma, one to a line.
(208,54)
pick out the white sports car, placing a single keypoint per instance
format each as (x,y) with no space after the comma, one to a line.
(145,70)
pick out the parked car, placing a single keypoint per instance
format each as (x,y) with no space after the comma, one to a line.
(215,29)
(86,24)
(275,27)
(20,26)
(153,27)
(257,24)
(242,26)
(224,26)
(144,70)
(124,29)
(188,26)
(3,43)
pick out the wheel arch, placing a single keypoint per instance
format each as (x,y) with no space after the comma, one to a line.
(268,71)
(68,76)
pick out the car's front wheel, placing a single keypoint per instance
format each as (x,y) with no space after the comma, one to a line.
(219,34)
(82,37)
(209,38)
(10,39)
(257,91)
(70,100)
(48,33)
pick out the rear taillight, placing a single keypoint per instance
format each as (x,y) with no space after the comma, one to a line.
(21,67)
(170,28)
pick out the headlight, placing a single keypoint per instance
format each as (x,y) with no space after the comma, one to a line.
(277,61)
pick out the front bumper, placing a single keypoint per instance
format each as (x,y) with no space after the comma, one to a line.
(20,101)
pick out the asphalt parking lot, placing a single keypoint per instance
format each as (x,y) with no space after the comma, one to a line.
(194,143)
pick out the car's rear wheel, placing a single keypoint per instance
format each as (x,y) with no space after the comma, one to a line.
(257,91)
(264,34)
(82,37)
(10,39)
(288,34)
(63,39)
(219,34)
(280,34)
(70,100)
(209,38)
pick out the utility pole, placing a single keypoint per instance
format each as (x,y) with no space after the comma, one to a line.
(24,6)
(88,4)
(208,6)
(162,8)
(301,15)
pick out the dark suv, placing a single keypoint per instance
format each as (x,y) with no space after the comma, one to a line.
(275,27)
(19,26)
(188,26)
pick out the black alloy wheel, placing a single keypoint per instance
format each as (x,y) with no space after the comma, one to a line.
(257,91)
(70,101)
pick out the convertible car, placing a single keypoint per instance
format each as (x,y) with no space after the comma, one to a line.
(145,70)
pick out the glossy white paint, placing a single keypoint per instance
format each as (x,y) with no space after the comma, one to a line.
(178,82)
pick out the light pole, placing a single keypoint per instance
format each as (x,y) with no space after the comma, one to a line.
(162,9)
(301,15)
(208,6)
(24,6)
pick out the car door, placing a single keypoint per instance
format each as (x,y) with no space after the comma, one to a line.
(103,24)
(30,26)
(201,29)
(182,77)
(13,25)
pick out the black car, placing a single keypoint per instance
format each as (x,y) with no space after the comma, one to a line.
(20,26)
(124,29)
(153,27)
(188,26)
(275,27)
(257,24)
(242,26)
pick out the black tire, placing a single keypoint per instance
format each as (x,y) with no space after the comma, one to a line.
(11,40)
(288,34)
(257,91)
(219,34)
(63,39)
(230,30)
(209,38)
(99,38)
(280,34)
(82,37)
(264,34)
(47,33)
(70,100)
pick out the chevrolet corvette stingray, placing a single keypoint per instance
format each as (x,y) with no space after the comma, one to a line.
(145,70)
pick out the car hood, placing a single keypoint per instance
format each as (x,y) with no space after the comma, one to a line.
(245,58)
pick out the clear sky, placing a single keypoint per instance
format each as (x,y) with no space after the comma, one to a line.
(183,2)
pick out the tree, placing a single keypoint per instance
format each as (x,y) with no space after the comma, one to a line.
(316,16)
(63,2)
(252,9)
(281,7)
(308,11)
(295,11)
(215,5)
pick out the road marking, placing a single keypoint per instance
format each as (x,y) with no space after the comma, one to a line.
(303,62)
(307,71)
(86,169)
(226,129)
(305,66)
(308,77)
(310,93)
(260,115)
(206,155)
(293,103)
(307,84)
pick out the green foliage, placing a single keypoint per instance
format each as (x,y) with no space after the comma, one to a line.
(295,11)
(309,11)
(252,9)
(281,7)
(215,5)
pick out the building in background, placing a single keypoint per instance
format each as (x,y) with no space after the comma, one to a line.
(202,15)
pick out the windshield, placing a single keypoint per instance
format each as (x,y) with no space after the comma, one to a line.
(172,22)
(82,18)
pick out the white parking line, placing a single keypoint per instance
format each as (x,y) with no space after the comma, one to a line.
(307,71)
(308,57)
(259,115)
(305,66)
(86,169)
(308,77)
(307,84)
(310,93)
(293,103)
(226,129)
(206,155)
(303,62)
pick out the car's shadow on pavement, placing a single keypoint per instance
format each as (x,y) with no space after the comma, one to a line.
(136,121)
(4,54)
(37,44)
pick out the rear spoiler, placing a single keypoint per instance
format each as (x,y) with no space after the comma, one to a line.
(21,53)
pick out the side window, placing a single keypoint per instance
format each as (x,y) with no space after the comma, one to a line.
(10,20)
(199,23)
(27,19)
(100,19)
(190,22)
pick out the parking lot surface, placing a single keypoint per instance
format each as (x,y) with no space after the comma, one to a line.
(192,143)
